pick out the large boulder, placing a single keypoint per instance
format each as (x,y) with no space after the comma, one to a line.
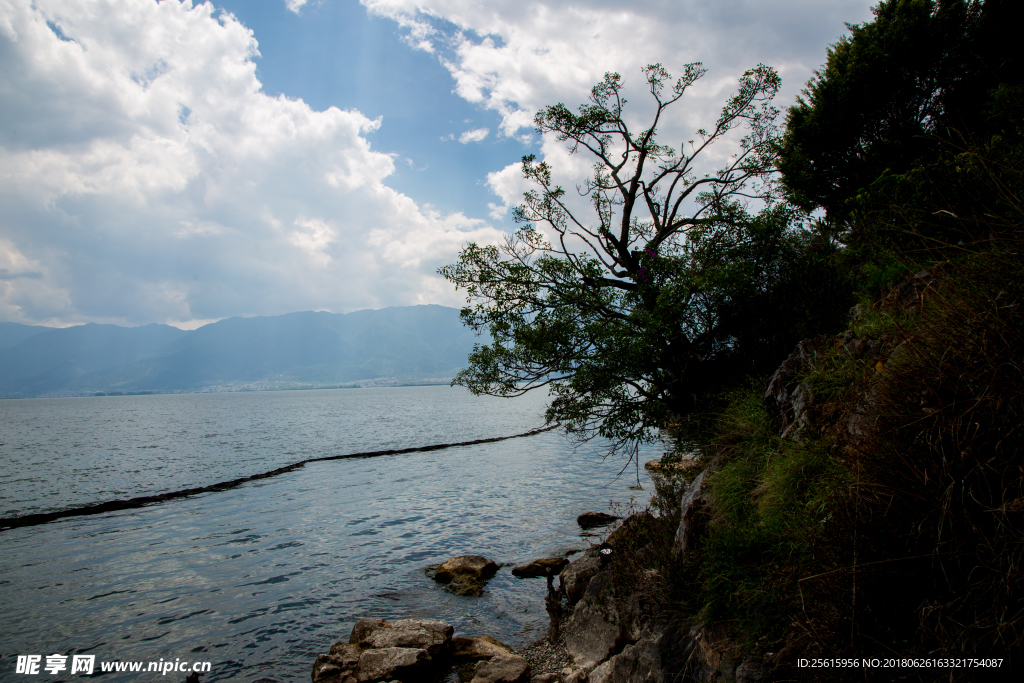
(384,664)
(466,574)
(483,647)
(335,669)
(576,575)
(378,650)
(595,631)
(590,520)
(548,566)
(639,662)
(426,634)
(503,669)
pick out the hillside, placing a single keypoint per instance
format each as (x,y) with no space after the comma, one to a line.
(292,350)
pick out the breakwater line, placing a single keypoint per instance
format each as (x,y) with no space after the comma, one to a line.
(35,519)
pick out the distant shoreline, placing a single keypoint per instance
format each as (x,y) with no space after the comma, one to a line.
(367,384)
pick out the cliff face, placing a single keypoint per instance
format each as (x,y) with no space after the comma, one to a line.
(865,502)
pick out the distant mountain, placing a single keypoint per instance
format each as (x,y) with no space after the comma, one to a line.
(12,334)
(403,343)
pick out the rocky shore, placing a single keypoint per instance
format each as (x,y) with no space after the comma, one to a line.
(603,630)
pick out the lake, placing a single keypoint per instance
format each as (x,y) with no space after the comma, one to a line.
(259,579)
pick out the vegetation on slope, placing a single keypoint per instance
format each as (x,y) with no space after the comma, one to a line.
(891,523)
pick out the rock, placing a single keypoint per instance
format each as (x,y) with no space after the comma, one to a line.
(546,678)
(346,651)
(800,361)
(575,676)
(503,669)
(692,498)
(594,632)
(483,647)
(860,348)
(577,575)
(543,567)
(434,637)
(590,520)
(637,663)
(802,410)
(334,669)
(363,628)
(466,574)
(403,663)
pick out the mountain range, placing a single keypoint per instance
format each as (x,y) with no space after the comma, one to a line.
(392,345)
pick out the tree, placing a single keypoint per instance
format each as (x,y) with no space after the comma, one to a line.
(906,91)
(632,316)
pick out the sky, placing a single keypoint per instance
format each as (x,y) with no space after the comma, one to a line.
(180,163)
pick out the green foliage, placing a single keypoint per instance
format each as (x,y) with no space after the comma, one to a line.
(671,292)
(880,128)
(876,101)
(769,502)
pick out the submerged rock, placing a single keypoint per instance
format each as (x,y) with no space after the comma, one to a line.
(466,574)
(544,567)
(590,520)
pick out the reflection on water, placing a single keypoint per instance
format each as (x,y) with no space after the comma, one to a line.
(260,579)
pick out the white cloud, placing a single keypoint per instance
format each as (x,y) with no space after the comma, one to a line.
(474,135)
(146,177)
(515,57)
(295,5)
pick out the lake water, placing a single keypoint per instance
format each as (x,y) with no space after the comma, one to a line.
(259,579)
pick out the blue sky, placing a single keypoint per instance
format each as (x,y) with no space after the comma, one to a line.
(180,163)
(335,54)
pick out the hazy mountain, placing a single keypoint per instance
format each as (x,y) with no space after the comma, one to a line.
(15,333)
(411,342)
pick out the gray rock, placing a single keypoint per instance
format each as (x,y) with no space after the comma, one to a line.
(576,576)
(546,678)
(466,574)
(778,397)
(346,651)
(503,669)
(403,663)
(483,647)
(637,663)
(802,405)
(363,628)
(334,669)
(594,632)
(692,498)
(544,567)
(434,637)
(590,520)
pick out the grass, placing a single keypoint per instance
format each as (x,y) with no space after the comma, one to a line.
(907,540)
(770,500)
